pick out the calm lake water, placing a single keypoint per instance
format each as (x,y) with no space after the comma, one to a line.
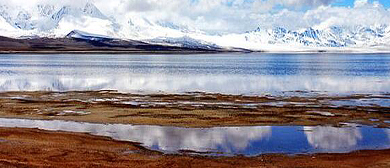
(251,74)
(249,141)
(224,73)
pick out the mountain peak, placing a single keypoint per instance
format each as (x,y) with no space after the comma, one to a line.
(77,34)
(61,13)
(91,10)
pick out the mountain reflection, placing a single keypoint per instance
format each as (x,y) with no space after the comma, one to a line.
(331,138)
(229,84)
(223,73)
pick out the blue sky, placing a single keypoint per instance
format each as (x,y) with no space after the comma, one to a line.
(385,3)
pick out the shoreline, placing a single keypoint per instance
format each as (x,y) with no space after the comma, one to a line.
(191,52)
(119,52)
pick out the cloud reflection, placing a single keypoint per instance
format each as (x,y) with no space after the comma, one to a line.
(231,139)
(331,138)
(388,133)
(226,139)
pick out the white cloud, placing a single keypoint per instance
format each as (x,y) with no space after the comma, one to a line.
(363,13)
(266,5)
(360,3)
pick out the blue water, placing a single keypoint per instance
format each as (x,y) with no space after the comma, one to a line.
(258,73)
(249,141)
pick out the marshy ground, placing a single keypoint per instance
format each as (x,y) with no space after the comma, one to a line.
(196,109)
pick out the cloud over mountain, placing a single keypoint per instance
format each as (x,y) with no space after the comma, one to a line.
(226,15)
(364,24)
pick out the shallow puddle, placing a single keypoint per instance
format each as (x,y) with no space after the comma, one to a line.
(249,141)
(383,102)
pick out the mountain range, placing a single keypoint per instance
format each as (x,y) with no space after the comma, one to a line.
(89,23)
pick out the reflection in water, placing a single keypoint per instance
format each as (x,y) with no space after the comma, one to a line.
(233,139)
(332,138)
(388,134)
(171,139)
(229,84)
(362,102)
(228,140)
(224,73)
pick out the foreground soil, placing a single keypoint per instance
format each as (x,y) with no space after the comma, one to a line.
(35,148)
(192,109)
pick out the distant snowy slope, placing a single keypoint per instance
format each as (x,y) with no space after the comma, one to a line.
(84,23)
(186,42)
(7,30)
(5,26)
(77,34)
(330,38)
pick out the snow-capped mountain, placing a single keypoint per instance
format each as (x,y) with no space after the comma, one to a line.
(335,38)
(37,18)
(59,21)
(55,21)
(328,37)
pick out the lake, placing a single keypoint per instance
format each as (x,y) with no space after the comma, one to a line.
(243,74)
(249,74)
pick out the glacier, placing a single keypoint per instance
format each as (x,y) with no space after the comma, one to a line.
(89,22)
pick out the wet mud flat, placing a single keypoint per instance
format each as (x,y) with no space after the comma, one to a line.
(197,109)
(37,148)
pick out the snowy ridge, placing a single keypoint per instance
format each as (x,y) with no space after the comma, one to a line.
(76,34)
(329,37)
(88,22)
(185,42)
